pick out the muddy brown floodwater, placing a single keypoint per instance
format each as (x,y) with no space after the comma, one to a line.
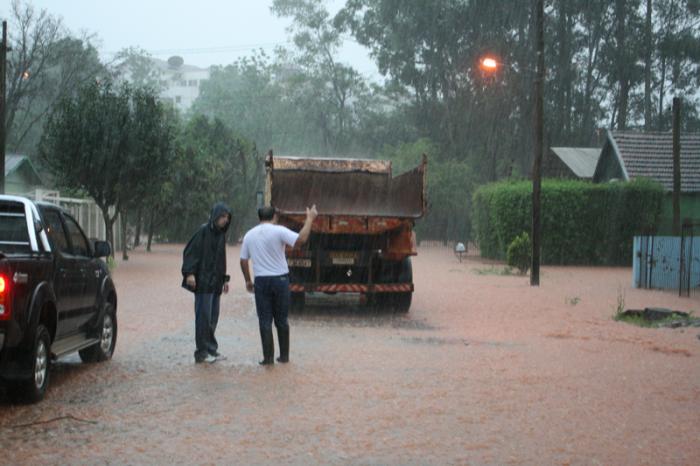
(484,369)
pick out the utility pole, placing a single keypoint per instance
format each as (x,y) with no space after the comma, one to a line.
(538,143)
(3,104)
(676,166)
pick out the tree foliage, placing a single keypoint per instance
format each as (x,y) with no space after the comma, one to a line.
(110,143)
(46,63)
(212,164)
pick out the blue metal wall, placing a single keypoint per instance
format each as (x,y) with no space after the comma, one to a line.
(656,261)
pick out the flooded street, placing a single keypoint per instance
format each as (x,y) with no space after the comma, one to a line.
(483,369)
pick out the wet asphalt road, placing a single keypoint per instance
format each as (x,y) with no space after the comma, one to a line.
(482,370)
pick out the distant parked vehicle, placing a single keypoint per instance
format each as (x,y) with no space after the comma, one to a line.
(56,295)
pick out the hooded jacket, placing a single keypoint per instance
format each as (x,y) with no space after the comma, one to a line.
(205,254)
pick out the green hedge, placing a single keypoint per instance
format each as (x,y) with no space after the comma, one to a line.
(582,222)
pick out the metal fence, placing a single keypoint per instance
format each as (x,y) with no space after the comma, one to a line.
(690,259)
(669,262)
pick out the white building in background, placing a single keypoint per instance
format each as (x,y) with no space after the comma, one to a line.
(180,83)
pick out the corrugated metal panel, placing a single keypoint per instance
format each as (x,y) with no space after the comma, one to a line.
(657,259)
(581,160)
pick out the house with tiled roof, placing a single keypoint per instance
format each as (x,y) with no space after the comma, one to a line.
(627,155)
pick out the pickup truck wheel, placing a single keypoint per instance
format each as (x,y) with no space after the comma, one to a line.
(34,388)
(297,301)
(103,350)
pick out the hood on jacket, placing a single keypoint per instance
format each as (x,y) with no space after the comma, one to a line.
(217,211)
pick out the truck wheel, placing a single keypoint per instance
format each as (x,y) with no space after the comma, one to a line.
(400,302)
(297,301)
(34,388)
(103,350)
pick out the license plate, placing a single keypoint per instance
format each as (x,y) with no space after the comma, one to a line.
(299,262)
(340,258)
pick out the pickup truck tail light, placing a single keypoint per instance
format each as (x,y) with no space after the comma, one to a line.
(4,298)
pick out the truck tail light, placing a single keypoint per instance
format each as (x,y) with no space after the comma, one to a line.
(4,298)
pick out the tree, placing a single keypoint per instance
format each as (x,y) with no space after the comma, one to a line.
(136,66)
(111,144)
(212,163)
(46,64)
(328,86)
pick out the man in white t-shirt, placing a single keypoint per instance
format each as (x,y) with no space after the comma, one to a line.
(265,245)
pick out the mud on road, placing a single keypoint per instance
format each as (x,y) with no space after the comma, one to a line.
(484,369)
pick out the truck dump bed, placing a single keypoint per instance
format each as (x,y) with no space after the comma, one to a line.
(345,187)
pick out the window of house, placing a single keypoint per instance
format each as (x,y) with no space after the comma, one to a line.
(193,83)
(178,99)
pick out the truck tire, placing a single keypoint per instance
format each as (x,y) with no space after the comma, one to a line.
(33,389)
(400,302)
(297,301)
(104,349)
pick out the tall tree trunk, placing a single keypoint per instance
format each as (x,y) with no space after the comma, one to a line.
(622,66)
(139,222)
(109,227)
(563,81)
(662,89)
(647,68)
(151,228)
(125,254)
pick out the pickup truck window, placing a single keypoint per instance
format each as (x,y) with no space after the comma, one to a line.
(77,239)
(13,228)
(56,232)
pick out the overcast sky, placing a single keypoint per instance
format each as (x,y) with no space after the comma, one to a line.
(203,32)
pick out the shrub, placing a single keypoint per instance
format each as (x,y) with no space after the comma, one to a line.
(582,222)
(519,254)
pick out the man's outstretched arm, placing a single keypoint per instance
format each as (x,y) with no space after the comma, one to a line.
(311,214)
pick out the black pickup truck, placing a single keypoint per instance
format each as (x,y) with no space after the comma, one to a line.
(56,295)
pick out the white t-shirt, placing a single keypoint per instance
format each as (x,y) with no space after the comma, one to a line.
(264,244)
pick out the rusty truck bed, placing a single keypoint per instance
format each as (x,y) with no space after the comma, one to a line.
(345,188)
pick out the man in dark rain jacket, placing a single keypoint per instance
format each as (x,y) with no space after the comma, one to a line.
(204,273)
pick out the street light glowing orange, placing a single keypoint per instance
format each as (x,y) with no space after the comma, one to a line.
(489,64)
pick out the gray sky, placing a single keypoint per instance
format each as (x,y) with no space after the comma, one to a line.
(203,32)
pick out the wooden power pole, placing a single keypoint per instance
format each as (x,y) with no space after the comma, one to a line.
(676,166)
(3,104)
(538,143)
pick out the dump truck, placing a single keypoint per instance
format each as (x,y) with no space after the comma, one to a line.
(363,238)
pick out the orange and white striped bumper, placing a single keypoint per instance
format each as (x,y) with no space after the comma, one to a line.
(353,288)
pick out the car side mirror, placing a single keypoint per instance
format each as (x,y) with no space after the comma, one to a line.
(102,249)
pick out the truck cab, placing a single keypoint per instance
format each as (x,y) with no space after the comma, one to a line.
(56,294)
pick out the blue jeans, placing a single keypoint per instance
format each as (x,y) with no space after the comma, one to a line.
(206,316)
(272,301)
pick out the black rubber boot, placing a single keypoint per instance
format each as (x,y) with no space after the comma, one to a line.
(283,337)
(268,345)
